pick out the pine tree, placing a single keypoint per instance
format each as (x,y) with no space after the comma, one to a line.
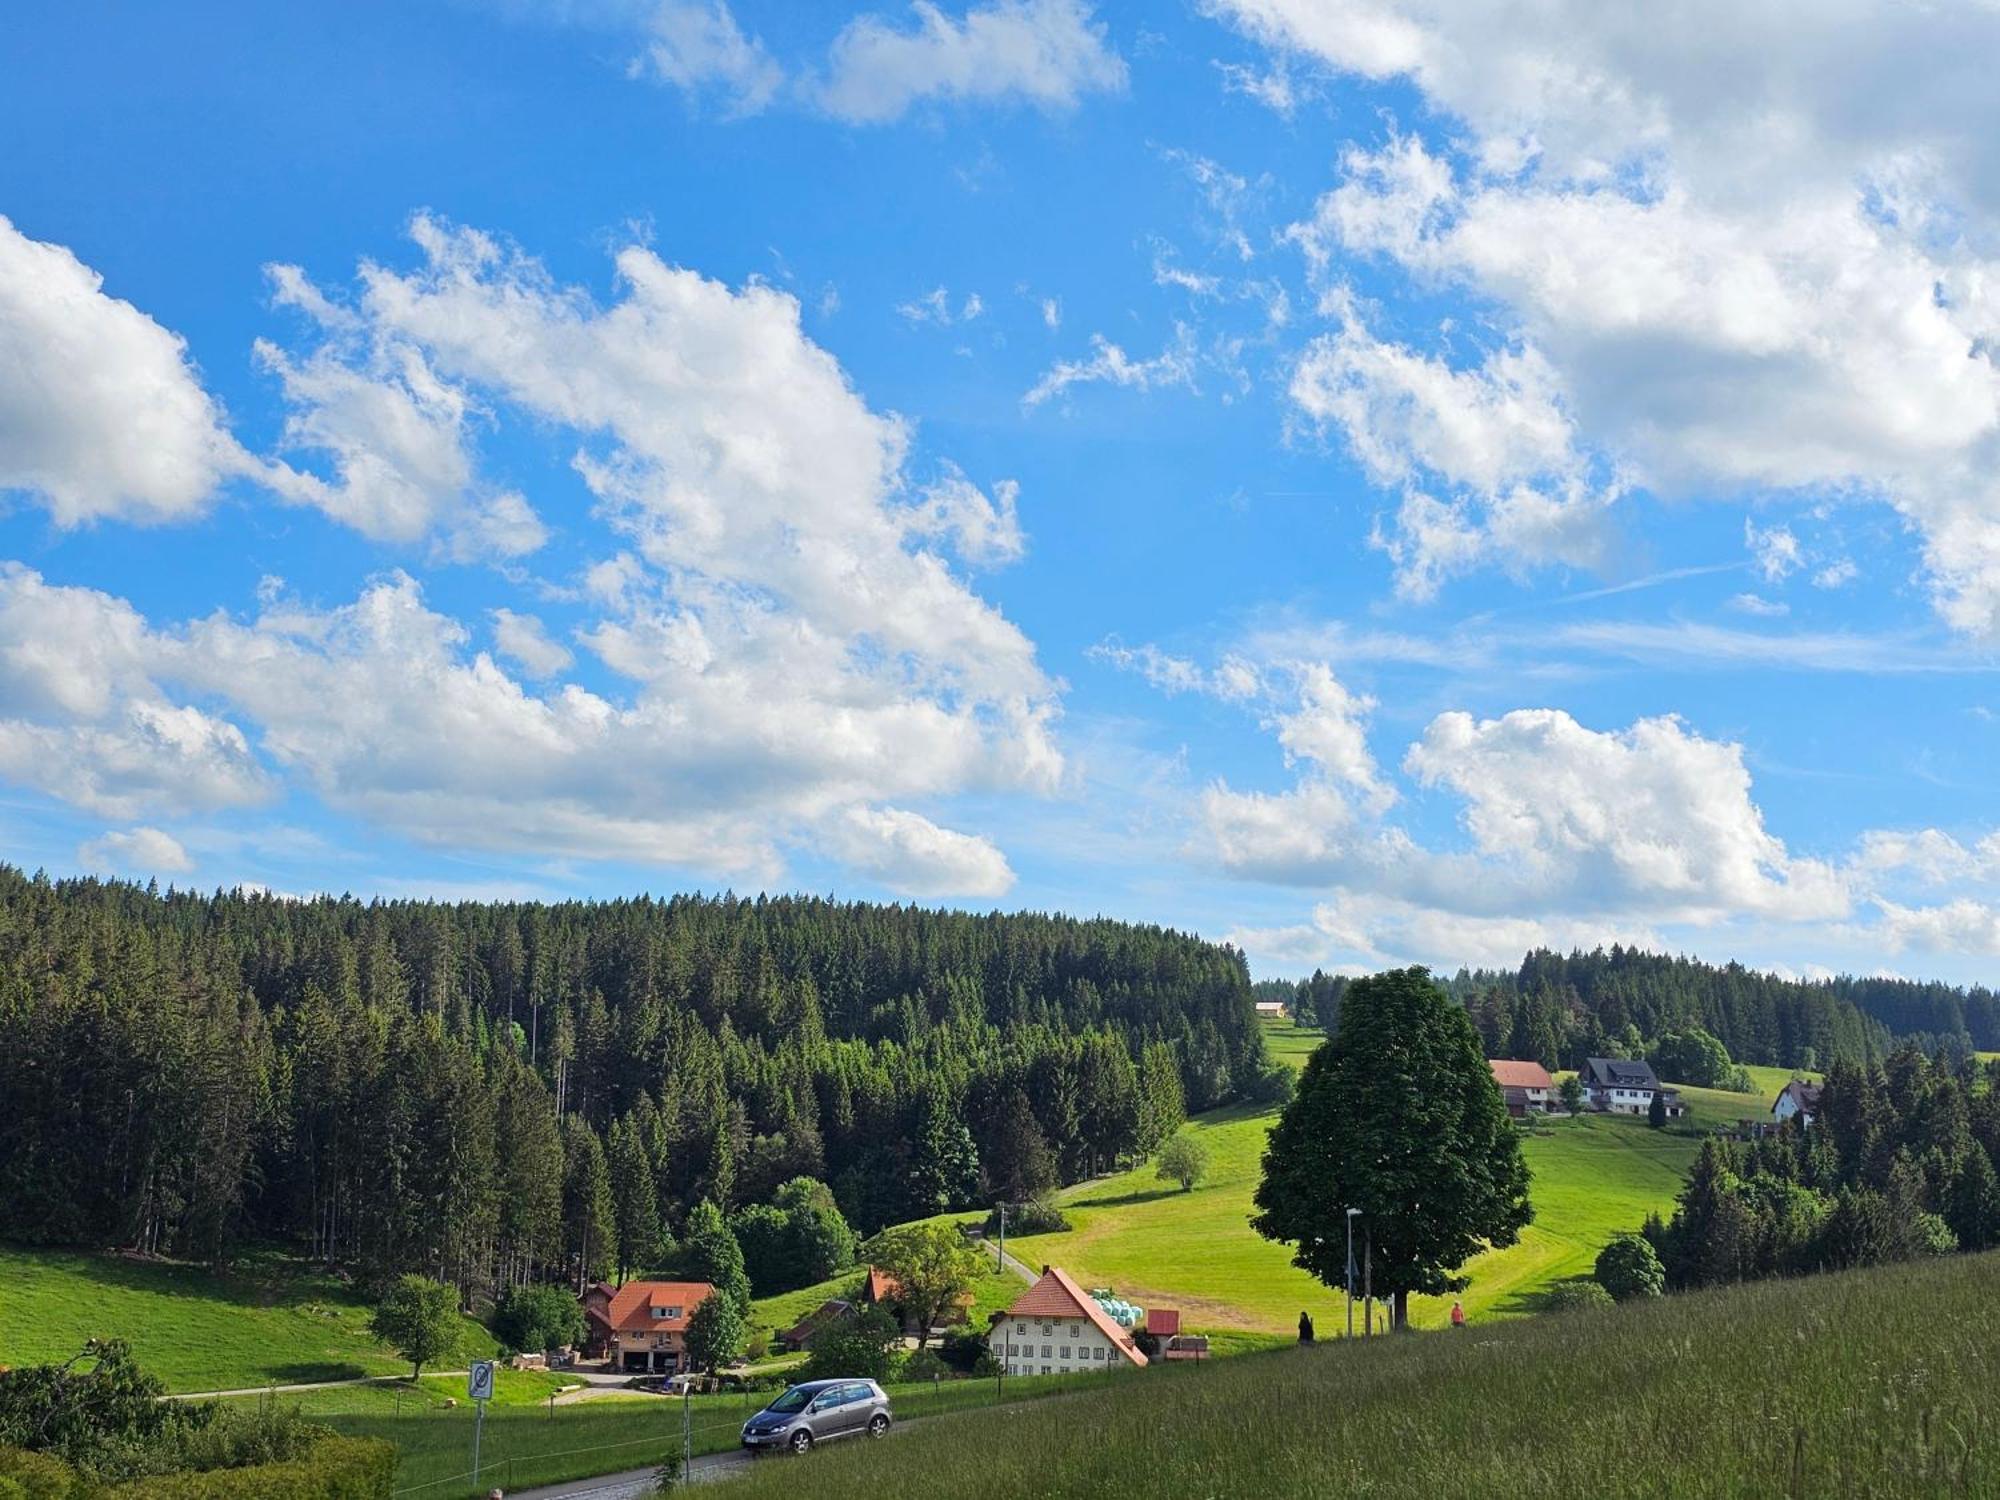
(636,1197)
(590,1214)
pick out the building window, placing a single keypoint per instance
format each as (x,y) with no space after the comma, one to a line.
(1045,1355)
(1074,1330)
(1064,1351)
(1020,1328)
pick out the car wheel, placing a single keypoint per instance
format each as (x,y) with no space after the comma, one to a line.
(877,1425)
(801,1441)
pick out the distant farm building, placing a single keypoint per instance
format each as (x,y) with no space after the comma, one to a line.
(1617,1086)
(1163,1327)
(1799,1100)
(1526,1086)
(1056,1328)
(1272,1010)
(642,1325)
(828,1315)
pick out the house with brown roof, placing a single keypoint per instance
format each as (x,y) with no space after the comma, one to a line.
(1526,1086)
(829,1314)
(642,1325)
(1800,1099)
(1057,1328)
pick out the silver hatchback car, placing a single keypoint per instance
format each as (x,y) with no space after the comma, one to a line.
(818,1412)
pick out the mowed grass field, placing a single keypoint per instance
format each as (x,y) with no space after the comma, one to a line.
(267,1323)
(1594,1177)
(1804,1388)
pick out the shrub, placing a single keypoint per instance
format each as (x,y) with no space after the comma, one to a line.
(964,1351)
(34,1476)
(330,1468)
(1040,1216)
(1183,1159)
(860,1347)
(335,1468)
(1272,1084)
(1628,1268)
(533,1318)
(924,1364)
(1577,1296)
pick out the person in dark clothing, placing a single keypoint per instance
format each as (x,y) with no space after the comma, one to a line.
(1305,1328)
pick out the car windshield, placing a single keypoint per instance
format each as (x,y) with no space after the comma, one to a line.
(793,1400)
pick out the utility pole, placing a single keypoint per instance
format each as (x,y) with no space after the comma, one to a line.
(687,1432)
(1368,1274)
(1350,1270)
(1001,1263)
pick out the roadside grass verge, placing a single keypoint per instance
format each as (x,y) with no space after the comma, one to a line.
(1865,1384)
(526,1442)
(267,1322)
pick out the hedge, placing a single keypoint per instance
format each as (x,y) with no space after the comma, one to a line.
(337,1468)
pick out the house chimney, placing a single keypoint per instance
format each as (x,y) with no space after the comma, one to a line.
(1045,1270)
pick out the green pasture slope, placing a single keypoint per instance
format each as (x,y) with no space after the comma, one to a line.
(1594,1177)
(1871,1383)
(266,1323)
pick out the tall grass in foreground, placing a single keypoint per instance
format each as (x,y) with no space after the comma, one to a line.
(1872,1383)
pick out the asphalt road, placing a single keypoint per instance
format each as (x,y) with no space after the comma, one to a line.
(633,1484)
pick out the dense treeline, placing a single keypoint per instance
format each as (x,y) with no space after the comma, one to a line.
(1620,1002)
(1898,1163)
(491,1093)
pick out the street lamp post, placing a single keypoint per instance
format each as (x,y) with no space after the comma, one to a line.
(1351,1214)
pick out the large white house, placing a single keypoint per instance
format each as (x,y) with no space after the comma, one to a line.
(1617,1086)
(1056,1328)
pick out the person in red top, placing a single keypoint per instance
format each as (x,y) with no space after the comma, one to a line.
(1457,1314)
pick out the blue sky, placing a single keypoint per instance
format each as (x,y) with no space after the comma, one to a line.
(1373,480)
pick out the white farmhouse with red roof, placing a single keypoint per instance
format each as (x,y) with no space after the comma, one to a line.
(1056,1328)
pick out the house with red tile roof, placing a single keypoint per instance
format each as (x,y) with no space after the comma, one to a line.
(1526,1086)
(642,1325)
(1057,1328)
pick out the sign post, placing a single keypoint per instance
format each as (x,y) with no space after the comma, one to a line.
(478,1390)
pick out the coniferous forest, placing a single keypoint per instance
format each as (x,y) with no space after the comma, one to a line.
(495,1093)
(1561,1008)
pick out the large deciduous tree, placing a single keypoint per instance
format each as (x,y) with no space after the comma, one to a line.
(715,1333)
(1397,1115)
(932,1265)
(419,1320)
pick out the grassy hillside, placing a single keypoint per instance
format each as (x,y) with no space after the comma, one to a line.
(265,1324)
(1593,1177)
(1797,1388)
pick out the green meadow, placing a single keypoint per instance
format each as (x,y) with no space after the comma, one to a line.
(1594,1177)
(265,1323)
(1802,1388)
